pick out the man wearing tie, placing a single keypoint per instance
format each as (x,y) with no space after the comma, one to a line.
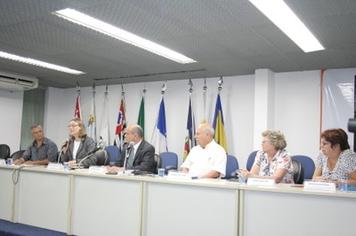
(138,154)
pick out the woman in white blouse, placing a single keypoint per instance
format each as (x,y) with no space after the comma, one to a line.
(272,161)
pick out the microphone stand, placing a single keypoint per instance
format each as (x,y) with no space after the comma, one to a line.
(60,156)
(87,156)
(127,154)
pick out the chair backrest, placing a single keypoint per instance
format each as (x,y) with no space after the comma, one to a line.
(16,155)
(250,160)
(231,166)
(101,157)
(4,151)
(168,160)
(307,164)
(113,153)
(298,175)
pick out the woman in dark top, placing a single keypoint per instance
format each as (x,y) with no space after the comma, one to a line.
(80,146)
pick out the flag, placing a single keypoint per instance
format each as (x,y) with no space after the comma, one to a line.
(120,124)
(218,124)
(190,138)
(104,126)
(159,137)
(77,110)
(141,115)
(92,119)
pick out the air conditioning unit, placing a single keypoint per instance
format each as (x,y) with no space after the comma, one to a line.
(17,82)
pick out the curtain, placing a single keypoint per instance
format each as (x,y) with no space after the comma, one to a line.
(32,113)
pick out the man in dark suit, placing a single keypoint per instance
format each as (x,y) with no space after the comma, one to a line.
(138,154)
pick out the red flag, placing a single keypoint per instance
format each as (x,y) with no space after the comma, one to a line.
(121,123)
(77,110)
(121,119)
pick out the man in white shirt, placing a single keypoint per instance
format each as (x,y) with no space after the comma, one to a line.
(207,159)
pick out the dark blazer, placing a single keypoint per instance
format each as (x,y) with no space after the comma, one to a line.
(86,146)
(144,157)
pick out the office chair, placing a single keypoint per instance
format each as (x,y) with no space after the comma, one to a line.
(168,161)
(102,158)
(4,151)
(231,166)
(307,164)
(113,153)
(298,173)
(251,160)
(16,155)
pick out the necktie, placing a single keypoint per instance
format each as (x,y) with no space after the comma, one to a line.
(130,159)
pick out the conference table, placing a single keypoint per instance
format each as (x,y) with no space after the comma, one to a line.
(83,202)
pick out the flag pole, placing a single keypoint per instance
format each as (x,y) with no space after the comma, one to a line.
(205,88)
(78,112)
(124,108)
(94,92)
(220,83)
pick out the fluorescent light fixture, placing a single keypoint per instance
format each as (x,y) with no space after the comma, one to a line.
(120,34)
(39,63)
(285,19)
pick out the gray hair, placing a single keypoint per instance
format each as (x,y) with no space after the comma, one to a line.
(207,129)
(36,126)
(136,129)
(276,138)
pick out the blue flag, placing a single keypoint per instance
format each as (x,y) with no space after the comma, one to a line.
(159,137)
(189,139)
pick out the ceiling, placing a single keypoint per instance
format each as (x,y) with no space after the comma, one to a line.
(226,37)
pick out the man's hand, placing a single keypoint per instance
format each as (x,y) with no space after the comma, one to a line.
(19,161)
(114,169)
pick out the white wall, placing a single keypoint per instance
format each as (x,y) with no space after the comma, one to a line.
(296,110)
(236,97)
(10,118)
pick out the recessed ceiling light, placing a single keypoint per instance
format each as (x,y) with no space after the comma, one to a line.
(120,34)
(39,63)
(287,21)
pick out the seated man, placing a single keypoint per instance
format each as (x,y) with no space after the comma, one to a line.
(207,159)
(139,154)
(41,152)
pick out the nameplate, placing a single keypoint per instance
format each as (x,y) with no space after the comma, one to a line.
(125,172)
(178,175)
(260,182)
(55,166)
(319,186)
(97,169)
(2,162)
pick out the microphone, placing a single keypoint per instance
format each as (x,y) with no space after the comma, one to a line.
(64,147)
(130,145)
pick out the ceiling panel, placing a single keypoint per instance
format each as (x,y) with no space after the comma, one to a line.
(226,37)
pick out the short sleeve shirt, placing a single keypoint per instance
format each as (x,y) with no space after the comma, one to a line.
(202,160)
(48,149)
(281,160)
(344,165)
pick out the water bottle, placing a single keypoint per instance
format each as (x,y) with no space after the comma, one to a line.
(343,185)
(9,161)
